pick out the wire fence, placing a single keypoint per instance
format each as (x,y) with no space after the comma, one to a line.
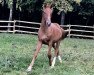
(32,28)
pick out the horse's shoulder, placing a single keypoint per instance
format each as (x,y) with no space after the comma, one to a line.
(56,25)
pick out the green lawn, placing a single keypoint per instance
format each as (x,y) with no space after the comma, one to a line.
(16,52)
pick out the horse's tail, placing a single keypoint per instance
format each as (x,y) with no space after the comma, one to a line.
(64,33)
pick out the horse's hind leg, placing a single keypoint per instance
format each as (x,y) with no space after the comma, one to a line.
(56,47)
(57,52)
(39,45)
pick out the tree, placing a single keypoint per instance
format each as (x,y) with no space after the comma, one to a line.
(2,2)
(19,5)
(28,5)
(85,10)
(63,6)
(10,5)
(86,7)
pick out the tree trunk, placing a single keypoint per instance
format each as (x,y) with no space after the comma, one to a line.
(10,18)
(62,17)
(88,18)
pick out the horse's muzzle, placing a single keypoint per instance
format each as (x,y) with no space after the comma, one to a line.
(48,23)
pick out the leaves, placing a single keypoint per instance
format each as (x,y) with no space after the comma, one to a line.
(78,1)
(2,2)
(63,5)
(86,7)
(10,3)
(27,4)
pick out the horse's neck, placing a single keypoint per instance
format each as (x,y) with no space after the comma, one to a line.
(43,25)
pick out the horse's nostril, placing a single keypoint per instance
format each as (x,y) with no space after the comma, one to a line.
(48,23)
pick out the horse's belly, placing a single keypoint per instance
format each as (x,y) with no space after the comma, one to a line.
(57,35)
(56,39)
(44,39)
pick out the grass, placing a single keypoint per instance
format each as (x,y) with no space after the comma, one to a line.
(16,52)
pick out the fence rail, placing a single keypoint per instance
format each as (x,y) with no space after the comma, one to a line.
(20,27)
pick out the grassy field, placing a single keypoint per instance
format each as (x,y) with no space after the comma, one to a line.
(16,52)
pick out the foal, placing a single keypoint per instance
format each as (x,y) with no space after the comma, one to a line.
(50,34)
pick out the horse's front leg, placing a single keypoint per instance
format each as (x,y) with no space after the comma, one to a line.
(49,53)
(39,45)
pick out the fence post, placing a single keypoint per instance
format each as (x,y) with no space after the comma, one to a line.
(93,31)
(14,27)
(69,30)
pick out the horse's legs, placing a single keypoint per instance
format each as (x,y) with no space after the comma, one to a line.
(39,45)
(49,53)
(57,52)
(54,59)
(56,47)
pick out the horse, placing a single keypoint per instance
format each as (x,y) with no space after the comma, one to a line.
(49,34)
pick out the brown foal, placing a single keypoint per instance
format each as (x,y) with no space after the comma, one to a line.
(50,34)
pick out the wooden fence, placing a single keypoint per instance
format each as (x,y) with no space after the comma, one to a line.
(23,27)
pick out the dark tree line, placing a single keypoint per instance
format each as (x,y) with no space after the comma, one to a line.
(65,11)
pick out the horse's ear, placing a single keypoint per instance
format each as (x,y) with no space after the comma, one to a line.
(52,5)
(44,5)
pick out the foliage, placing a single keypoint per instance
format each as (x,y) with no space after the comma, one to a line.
(83,7)
(26,4)
(63,5)
(10,3)
(77,1)
(20,4)
(86,7)
(16,52)
(2,2)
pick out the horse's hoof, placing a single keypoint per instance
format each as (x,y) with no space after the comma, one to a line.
(51,67)
(29,69)
(60,62)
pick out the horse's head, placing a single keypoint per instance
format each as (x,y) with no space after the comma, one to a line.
(47,13)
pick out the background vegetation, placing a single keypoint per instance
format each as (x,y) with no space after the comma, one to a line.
(74,11)
(16,52)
